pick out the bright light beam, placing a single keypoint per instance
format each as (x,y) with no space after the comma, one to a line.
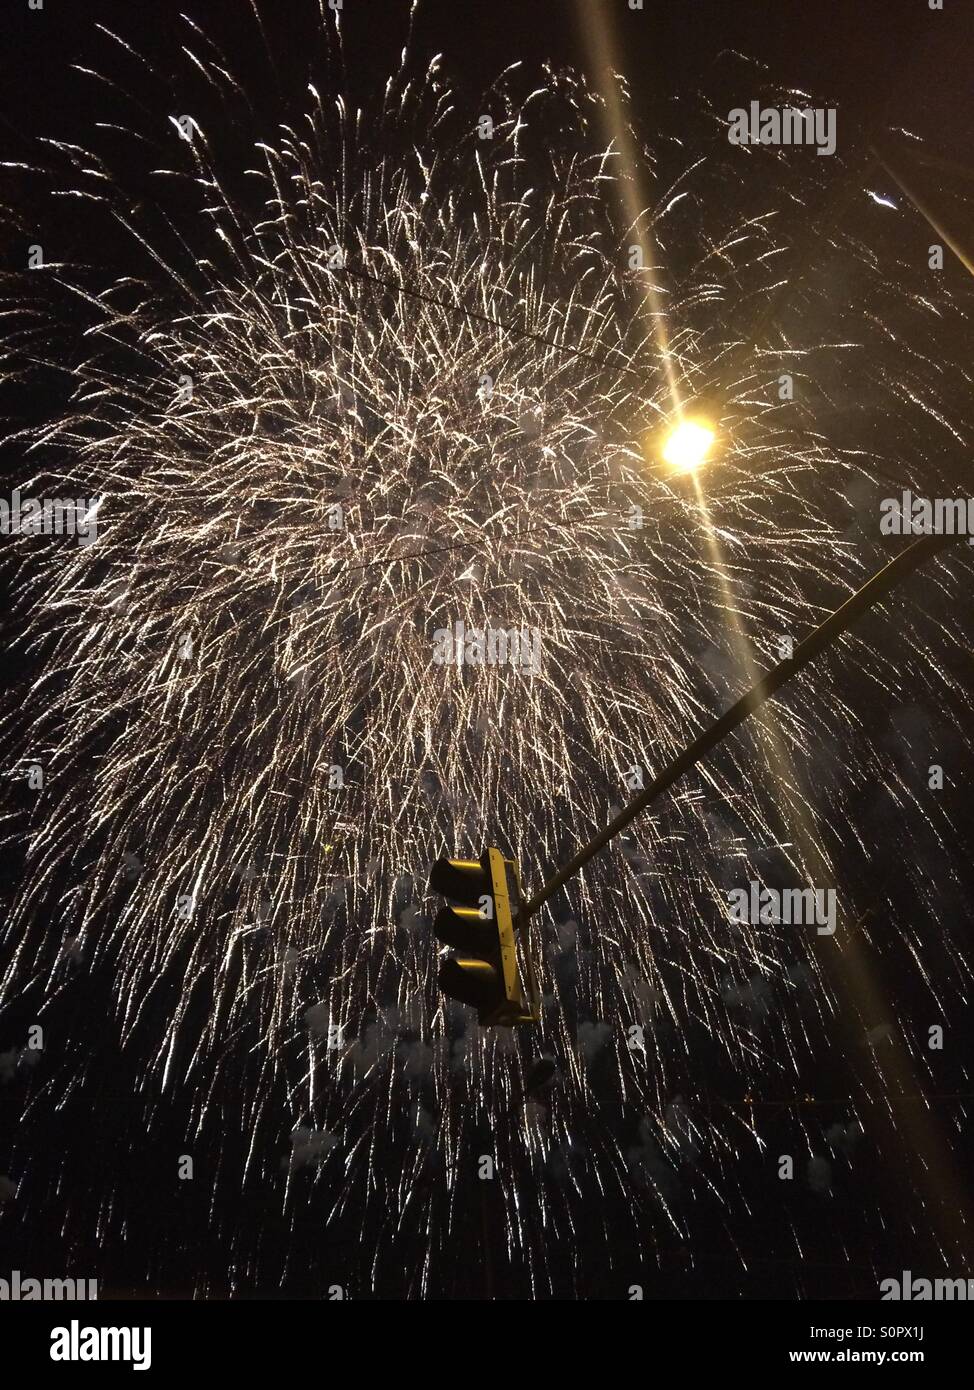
(688,445)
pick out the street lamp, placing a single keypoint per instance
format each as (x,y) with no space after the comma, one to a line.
(688,443)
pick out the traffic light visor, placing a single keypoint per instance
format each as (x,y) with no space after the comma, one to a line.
(462,880)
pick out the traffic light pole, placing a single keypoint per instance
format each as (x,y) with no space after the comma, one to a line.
(822,637)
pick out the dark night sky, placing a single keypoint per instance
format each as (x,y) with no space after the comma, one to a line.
(889,62)
(863,54)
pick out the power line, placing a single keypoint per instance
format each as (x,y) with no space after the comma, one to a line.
(515,331)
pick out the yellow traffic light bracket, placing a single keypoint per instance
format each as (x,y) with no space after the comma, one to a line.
(518,1006)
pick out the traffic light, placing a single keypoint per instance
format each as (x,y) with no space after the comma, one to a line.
(484,972)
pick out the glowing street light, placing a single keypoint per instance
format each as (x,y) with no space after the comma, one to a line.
(688,444)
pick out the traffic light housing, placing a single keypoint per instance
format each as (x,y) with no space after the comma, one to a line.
(485,972)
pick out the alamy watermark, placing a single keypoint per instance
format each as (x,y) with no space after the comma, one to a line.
(910,1290)
(77,1343)
(18,1289)
(460,645)
(759,125)
(762,906)
(52,516)
(907,515)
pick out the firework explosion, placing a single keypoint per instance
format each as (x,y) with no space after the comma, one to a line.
(377,376)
